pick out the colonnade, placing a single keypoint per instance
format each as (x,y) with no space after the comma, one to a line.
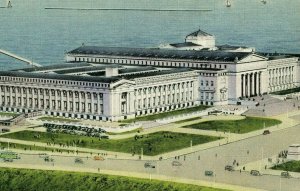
(52,99)
(251,84)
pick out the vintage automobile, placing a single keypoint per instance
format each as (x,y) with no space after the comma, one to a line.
(149,165)
(266,132)
(255,173)
(209,173)
(285,174)
(229,168)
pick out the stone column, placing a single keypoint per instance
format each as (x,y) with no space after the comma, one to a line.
(27,98)
(80,99)
(98,103)
(252,84)
(259,83)
(68,101)
(92,103)
(73,101)
(10,97)
(242,85)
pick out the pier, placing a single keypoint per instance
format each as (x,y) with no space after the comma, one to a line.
(12,55)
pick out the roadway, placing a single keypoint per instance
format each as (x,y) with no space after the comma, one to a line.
(195,164)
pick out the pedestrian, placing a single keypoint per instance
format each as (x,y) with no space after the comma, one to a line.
(240,171)
(244,168)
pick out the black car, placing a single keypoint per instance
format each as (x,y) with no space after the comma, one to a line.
(149,165)
(266,132)
(229,168)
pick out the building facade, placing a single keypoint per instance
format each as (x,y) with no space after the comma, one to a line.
(99,98)
(243,74)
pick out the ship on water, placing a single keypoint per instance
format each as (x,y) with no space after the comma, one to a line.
(8,4)
(228,4)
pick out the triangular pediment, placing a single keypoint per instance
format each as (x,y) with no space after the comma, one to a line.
(252,58)
(123,83)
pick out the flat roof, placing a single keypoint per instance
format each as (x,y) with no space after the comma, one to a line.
(59,76)
(161,53)
(84,69)
(184,44)
(156,73)
(54,67)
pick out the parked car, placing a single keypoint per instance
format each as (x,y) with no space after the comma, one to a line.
(176,163)
(43,155)
(5,130)
(8,160)
(266,132)
(208,173)
(48,159)
(229,168)
(98,158)
(149,165)
(286,174)
(78,160)
(255,173)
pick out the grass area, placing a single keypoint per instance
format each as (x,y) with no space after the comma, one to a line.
(166,114)
(25,179)
(289,91)
(138,130)
(152,144)
(35,148)
(58,119)
(187,120)
(293,166)
(235,126)
(8,114)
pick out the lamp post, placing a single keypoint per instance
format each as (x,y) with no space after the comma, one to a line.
(142,153)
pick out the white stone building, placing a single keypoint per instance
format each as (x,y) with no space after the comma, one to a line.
(234,74)
(98,92)
(200,40)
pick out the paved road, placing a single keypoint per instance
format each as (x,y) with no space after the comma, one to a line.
(213,159)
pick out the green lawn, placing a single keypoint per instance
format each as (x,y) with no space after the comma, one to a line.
(8,114)
(166,114)
(289,91)
(152,144)
(25,179)
(34,148)
(293,166)
(235,126)
(58,119)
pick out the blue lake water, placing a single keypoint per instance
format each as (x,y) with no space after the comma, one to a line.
(44,36)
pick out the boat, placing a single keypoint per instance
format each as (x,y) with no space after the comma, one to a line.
(228,4)
(264,1)
(8,5)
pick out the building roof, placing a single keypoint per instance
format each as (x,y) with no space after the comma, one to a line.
(199,33)
(184,44)
(220,56)
(59,76)
(229,47)
(156,73)
(54,67)
(85,69)
(274,56)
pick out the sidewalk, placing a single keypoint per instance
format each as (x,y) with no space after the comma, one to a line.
(133,174)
